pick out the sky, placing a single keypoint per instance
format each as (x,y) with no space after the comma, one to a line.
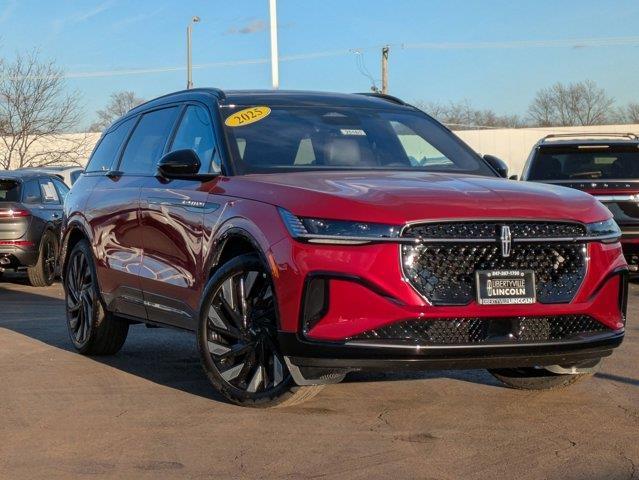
(494,53)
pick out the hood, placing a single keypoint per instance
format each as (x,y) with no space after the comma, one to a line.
(400,197)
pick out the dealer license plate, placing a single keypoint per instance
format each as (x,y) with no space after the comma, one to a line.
(505,287)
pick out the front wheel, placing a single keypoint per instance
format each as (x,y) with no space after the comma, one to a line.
(237,338)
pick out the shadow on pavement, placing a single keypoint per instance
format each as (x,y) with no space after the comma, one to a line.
(618,378)
(164,356)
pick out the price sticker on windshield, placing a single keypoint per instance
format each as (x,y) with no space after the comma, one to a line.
(247,116)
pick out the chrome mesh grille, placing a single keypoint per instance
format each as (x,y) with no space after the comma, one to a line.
(488,230)
(461,331)
(445,273)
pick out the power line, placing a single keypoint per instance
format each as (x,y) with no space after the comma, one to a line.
(592,42)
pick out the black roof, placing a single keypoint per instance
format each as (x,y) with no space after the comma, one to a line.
(277,97)
(308,98)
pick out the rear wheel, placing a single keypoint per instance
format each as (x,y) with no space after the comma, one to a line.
(531,378)
(43,272)
(92,329)
(237,338)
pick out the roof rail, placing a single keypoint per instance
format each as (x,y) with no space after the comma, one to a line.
(632,136)
(215,91)
(383,96)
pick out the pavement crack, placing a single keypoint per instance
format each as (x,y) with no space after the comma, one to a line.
(382,416)
(633,467)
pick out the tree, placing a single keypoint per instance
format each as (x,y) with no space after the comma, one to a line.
(581,103)
(119,104)
(462,116)
(36,113)
(627,114)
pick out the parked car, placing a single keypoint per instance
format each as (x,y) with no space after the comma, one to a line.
(69,175)
(302,236)
(605,165)
(30,219)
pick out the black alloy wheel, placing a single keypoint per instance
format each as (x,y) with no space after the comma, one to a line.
(92,329)
(43,273)
(50,260)
(238,338)
(242,333)
(80,297)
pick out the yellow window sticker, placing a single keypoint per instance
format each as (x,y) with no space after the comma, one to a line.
(247,116)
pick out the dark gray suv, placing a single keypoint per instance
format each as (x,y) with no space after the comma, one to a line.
(30,217)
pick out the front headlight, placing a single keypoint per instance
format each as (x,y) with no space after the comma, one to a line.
(608,229)
(319,230)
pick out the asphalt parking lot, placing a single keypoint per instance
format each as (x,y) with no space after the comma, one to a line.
(149,412)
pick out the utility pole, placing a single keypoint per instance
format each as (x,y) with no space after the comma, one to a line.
(275,68)
(189,61)
(385,51)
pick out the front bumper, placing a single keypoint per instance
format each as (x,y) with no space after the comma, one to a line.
(319,362)
(366,292)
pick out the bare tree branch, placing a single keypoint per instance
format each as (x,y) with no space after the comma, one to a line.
(119,104)
(462,116)
(36,112)
(574,104)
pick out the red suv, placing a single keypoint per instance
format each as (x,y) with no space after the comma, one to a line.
(306,235)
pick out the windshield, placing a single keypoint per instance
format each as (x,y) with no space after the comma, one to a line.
(586,163)
(265,140)
(9,191)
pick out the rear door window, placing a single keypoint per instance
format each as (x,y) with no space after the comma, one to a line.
(147,142)
(9,191)
(31,192)
(107,150)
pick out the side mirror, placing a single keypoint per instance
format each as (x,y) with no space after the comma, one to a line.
(498,164)
(179,164)
(182,164)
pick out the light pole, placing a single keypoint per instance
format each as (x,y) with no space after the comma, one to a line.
(275,70)
(189,61)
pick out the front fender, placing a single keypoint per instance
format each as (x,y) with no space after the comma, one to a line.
(256,222)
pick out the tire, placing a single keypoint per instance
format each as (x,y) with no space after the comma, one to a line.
(535,378)
(92,329)
(43,272)
(237,338)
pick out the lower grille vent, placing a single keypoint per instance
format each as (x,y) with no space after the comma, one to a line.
(462,331)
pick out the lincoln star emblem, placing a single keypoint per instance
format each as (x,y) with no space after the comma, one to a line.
(506,241)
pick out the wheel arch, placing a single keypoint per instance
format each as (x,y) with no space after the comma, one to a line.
(233,242)
(74,233)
